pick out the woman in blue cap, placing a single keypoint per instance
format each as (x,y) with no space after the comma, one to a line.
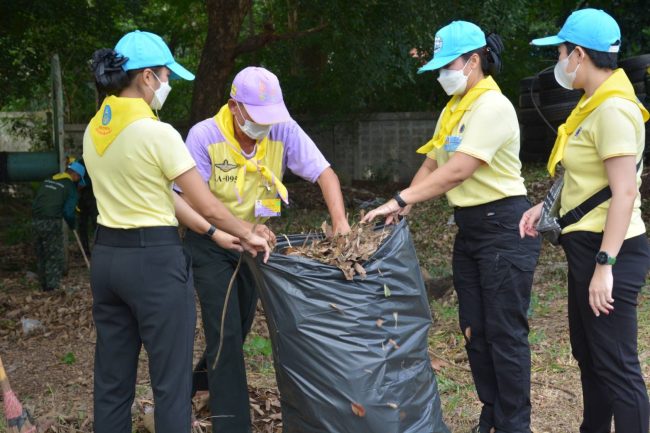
(141,279)
(601,144)
(473,158)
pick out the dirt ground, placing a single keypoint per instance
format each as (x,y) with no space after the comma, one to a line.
(51,368)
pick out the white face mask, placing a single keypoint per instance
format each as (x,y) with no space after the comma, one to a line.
(454,81)
(253,130)
(160,94)
(564,78)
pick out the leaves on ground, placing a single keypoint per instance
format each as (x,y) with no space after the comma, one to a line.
(347,252)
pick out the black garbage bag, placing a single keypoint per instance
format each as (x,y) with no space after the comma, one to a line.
(351,356)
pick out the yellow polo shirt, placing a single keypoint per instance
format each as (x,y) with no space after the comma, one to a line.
(488,131)
(132,180)
(615,128)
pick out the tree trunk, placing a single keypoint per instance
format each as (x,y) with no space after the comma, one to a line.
(225,19)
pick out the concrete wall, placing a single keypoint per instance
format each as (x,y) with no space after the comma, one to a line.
(380,146)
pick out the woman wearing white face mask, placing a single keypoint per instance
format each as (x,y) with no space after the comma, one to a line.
(141,279)
(473,158)
(601,145)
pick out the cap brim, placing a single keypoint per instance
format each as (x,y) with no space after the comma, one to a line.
(437,63)
(179,71)
(268,114)
(549,40)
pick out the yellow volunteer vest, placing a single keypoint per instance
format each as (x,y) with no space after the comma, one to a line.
(240,199)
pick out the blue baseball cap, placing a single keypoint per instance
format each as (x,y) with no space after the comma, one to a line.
(589,28)
(146,50)
(78,168)
(452,41)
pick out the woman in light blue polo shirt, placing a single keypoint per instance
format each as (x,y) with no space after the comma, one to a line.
(607,252)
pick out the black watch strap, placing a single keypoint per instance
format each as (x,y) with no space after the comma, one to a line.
(400,201)
(210,232)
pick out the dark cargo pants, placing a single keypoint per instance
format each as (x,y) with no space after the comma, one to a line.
(493,275)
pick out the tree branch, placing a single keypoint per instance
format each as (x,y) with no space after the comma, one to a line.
(256,42)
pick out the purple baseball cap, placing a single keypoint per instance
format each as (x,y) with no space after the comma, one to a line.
(259,90)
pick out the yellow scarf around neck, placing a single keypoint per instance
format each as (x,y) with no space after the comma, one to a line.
(224,121)
(450,119)
(114,115)
(617,85)
(63,175)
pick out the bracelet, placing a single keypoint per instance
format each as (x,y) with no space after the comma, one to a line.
(210,232)
(400,201)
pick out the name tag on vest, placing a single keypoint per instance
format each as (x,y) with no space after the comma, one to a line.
(267,208)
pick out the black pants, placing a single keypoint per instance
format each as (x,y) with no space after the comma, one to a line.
(493,275)
(606,346)
(213,267)
(142,294)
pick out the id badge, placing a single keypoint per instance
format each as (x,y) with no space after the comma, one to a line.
(452,142)
(267,208)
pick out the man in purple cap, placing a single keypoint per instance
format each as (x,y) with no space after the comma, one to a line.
(242,153)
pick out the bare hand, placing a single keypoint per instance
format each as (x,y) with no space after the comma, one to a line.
(253,244)
(394,217)
(529,220)
(387,208)
(341,227)
(229,242)
(266,233)
(600,290)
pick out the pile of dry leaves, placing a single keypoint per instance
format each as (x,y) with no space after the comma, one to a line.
(347,252)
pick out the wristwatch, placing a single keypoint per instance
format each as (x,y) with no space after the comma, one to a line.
(400,201)
(603,258)
(210,232)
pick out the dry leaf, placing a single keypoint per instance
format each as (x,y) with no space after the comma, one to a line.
(337,308)
(380,323)
(360,270)
(437,364)
(347,252)
(386,291)
(358,410)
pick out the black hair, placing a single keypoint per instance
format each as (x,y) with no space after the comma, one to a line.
(489,55)
(110,78)
(600,59)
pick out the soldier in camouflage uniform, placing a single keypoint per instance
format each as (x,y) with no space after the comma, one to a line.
(56,198)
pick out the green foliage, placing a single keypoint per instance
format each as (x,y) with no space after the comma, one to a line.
(358,61)
(68,358)
(257,345)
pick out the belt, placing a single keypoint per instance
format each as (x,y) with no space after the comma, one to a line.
(140,237)
(499,202)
